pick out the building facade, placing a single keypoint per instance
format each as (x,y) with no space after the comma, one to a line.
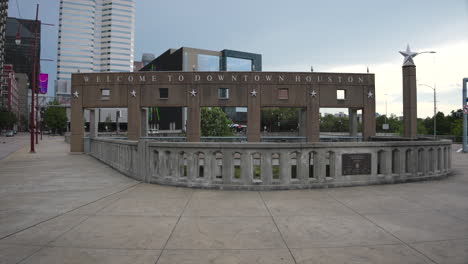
(190,59)
(3,18)
(9,90)
(94,36)
(21,55)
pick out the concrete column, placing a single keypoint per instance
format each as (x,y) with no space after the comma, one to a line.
(302,117)
(353,123)
(134,112)
(77,121)
(93,123)
(253,114)
(266,168)
(193,115)
(144,122)
(313,115)
(285,170)
(368,113)
(410,110)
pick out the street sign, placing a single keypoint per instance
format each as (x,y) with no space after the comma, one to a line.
(465,109)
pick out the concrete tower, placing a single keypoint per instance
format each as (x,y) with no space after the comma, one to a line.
(410,109)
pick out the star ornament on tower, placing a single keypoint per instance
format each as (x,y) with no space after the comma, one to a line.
(253,93)
(409,55)
(193,92)
(370,94)
(313,93)
(76,94)
(133,93)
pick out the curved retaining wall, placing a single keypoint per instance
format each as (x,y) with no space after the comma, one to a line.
(268,166)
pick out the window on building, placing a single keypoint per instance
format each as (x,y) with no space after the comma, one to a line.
(223,93)
(105,94)
(283,94)
(340,94)
(208,62)
(163,93)
(236,64)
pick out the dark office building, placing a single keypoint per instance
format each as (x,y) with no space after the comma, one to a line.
(21,56)
(3,17)
(190,59)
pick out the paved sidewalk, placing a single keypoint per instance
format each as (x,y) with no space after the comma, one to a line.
(56,207)
(9,145)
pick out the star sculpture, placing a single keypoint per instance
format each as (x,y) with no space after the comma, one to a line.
(133,93)
(313,93)
(370,94)
(409,55)
(253,93)
(193,92)
(76,94)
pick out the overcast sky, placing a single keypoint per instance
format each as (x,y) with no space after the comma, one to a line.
(338,36)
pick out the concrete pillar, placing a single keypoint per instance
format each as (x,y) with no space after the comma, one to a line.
(410,110)
(193,115)
(253,114)
(93,123)
(77,120)
(368,113)
(302,117)
(313,115)
(144,122)
(353,123)
(134,112)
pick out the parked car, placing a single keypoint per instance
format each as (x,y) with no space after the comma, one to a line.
(9,133)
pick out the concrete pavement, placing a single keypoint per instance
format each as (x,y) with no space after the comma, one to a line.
(61,208)
(9,145)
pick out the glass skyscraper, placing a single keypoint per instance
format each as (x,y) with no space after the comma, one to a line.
(94,36)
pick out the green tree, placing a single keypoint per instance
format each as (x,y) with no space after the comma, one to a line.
(7,119)
(215,123)
(55,117)
(279,118)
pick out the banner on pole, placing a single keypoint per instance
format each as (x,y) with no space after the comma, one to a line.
(43,81)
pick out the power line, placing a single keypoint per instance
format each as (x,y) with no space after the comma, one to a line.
(17,7)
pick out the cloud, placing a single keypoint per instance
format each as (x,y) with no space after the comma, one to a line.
(445,70)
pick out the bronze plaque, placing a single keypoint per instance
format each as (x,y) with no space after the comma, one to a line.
(356,164)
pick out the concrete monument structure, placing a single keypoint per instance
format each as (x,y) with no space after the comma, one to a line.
(193,90)
(253,165)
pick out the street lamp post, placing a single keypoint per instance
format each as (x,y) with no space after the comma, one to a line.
(33,123)
(33,87)
(435,107)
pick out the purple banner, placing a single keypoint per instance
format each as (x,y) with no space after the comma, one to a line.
(43,80)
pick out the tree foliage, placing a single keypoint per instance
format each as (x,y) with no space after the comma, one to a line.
(279,118)
(215,123)
(55,117)
(7,119)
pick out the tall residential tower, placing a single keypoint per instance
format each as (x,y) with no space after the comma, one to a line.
(94,36)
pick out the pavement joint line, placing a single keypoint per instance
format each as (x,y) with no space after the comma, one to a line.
(276,225)
(385,230)
(175,226)
(61,214)
(80,222)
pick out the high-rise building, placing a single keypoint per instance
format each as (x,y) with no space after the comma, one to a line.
(20,54)
(3,17)
(94,36)
(9,90)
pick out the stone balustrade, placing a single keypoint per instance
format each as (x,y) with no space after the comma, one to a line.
(265,166)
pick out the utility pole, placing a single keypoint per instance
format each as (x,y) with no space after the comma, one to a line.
(465,116)
(33,88)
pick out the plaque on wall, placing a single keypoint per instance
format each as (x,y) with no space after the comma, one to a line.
(356,164)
